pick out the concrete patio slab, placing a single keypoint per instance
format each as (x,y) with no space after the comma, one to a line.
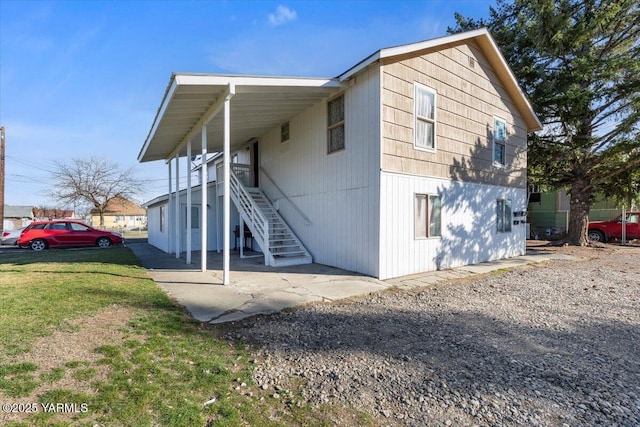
(255,289)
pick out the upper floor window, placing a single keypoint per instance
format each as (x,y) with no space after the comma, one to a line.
(499,142)
(284,132)
(425,118)
(335,125)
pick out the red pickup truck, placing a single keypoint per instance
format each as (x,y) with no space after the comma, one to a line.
(602,231)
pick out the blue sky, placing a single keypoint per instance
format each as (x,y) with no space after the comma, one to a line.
(85,78)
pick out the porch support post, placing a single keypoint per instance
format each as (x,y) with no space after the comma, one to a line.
(203,209)
(169,205)
(227,188)
(177,207)
(241,235)
(188,248)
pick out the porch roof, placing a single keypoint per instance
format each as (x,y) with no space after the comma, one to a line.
(259,104)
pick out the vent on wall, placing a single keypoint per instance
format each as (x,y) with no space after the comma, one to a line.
(472,62)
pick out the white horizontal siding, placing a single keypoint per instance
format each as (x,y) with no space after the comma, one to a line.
(157,238)
(469,233)
(161,239)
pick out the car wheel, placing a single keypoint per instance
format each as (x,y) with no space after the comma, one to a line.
(596,236)
(38,245)
(104,242)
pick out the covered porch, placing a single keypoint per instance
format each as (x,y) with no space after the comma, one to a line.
(202,114)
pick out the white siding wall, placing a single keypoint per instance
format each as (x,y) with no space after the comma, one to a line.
(469,233)
(339,192)
(157,238)
(161,239)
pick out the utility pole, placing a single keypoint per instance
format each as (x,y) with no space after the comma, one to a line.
(1,178)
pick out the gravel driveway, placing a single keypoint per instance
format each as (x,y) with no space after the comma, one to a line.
(547,345)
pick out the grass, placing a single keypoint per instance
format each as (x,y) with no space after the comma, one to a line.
(160,372)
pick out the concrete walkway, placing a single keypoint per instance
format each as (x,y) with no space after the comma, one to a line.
(256,289)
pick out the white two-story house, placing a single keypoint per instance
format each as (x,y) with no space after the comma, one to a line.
(412,160)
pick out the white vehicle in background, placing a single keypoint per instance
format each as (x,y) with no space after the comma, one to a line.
(10,237)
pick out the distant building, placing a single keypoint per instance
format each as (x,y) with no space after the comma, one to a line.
(121,213)
(48,214)
(17,217)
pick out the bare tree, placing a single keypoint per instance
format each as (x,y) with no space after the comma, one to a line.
(95,181)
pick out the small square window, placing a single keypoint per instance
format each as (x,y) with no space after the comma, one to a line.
(499,142)
(427,216)
(335,125)
(284,132)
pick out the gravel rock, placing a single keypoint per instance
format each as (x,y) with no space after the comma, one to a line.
(546,345)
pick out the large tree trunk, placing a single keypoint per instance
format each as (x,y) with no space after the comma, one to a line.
(579,212)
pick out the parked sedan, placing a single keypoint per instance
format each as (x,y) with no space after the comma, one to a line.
(10,237)
(602,231)
(48,234)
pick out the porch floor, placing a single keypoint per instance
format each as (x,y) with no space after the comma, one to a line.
(255,289)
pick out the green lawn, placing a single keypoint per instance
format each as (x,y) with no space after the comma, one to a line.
(160,368)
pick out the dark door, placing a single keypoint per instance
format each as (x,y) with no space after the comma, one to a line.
(256,165)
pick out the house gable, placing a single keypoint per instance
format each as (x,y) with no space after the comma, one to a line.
(470,96)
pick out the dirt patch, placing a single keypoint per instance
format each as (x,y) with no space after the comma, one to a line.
(70,350)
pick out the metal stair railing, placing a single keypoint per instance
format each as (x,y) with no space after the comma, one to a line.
(251,214)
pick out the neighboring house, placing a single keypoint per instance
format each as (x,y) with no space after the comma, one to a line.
(121,213)
(550,216)
(412,160)
(48,214)
(17,217)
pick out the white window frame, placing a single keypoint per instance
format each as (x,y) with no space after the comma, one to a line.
(504,224)
(428,234)
(498,162)
(420,87)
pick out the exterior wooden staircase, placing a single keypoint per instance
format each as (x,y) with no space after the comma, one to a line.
(281,247)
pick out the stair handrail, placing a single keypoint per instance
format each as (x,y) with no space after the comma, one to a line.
(251,210)
(306,219)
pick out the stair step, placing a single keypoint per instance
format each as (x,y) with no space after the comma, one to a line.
(288,254)
(295,245)
(284,247)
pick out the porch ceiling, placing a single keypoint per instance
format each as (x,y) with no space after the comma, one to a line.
(259,104)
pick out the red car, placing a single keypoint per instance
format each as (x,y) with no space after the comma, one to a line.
(41,235)
(602,231)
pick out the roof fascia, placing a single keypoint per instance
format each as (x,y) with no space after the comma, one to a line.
(239,80)
(408,48)
(171,89)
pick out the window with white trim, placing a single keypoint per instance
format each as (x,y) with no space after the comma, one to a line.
(499,142)
(162,218)
(424,112)
(427,216)
(335,124)
(503,215)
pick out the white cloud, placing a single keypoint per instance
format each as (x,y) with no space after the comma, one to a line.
(283,15)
